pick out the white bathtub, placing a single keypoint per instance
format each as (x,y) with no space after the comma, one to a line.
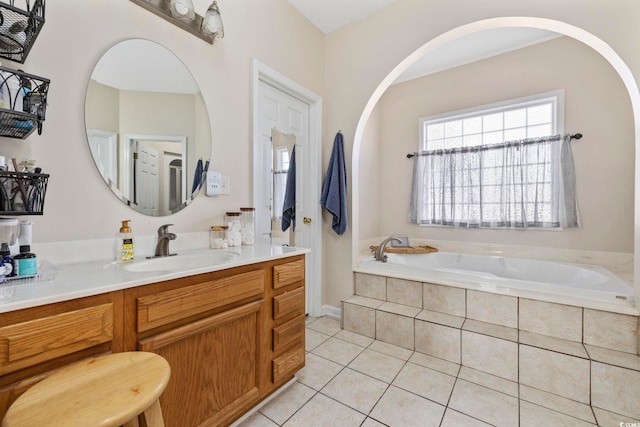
(548,280)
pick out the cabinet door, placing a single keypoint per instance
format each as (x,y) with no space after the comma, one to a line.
(214,367)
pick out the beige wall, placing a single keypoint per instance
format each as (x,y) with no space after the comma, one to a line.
(358,57)
(78,32)
(596,104)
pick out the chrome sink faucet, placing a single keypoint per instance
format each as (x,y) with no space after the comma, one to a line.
(162,247)
(379,253)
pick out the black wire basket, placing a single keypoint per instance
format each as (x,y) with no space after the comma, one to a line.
(22,193)
(23,103)
(19,28)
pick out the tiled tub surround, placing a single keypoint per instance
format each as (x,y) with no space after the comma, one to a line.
(581,355)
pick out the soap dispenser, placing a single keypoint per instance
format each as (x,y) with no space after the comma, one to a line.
(125,243)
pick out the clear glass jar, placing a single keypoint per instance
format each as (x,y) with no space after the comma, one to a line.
(218,237)
(248,225)
(234,229)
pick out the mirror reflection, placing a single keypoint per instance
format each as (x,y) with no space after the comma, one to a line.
(147,127)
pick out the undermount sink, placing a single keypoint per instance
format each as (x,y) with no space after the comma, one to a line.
(181,262)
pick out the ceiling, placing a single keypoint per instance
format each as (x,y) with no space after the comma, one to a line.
(330,15)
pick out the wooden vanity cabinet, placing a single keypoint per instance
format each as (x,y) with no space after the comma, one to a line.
(215,330)
(231,337)
(36,342)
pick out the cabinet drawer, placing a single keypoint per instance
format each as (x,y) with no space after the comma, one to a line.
(292,331)
(46,338)
(287,303)
(287,364)
(288,274)
(166,307)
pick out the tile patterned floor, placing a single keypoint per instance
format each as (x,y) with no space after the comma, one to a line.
(353,380)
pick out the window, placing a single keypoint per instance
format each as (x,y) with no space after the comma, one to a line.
(500,165)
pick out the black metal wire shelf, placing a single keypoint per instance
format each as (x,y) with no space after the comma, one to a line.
(19,29)
(23,103)
(22,193)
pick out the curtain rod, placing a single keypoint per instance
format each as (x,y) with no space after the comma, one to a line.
(574,136)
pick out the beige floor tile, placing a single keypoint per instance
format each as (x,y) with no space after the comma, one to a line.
(398,407)
(356,390)
(535,416)
(370,422)
(391,350)
(456,419)
(310,319)
(338,351)
(354,338)
(611,419)
(326,325)
(287,403)
(557,403)
(484,404)
(425,382)
(377,365)
(322,411)
(490,381)
(435,363)
(314,339)
(256,420)
(317,372)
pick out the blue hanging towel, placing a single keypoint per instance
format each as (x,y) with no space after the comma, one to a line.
(334,190)
(289,205)
(197,177)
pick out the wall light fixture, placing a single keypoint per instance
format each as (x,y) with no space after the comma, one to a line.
(181,13)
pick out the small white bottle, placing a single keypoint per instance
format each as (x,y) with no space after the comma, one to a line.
(125,243)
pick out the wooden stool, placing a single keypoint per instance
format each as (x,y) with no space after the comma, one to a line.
(107,391)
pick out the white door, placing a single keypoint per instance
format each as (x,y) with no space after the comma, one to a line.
(104,148)
(147,180)
(289,115)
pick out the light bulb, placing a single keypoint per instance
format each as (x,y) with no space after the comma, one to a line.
(182,9)
(212,22)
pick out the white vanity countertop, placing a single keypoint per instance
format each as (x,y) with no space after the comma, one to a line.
(96,277)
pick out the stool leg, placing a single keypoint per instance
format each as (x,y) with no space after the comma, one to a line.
(153,415)
(132,423)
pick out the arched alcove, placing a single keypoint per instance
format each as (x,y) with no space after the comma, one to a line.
(559,27)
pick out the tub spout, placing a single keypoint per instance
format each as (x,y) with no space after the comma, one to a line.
(379,254)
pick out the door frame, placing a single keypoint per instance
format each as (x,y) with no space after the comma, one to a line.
(261,72)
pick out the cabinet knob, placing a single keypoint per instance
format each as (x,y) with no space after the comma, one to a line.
(306,220)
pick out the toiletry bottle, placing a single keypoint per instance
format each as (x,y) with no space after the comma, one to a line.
(125,243)
(6,261)
(25,263)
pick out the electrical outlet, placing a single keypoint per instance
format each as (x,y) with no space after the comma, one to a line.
(225,186)
(213,183)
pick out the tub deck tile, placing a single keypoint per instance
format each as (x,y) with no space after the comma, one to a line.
(612,357)
(491,329)
(364,301)
(441,318)
(557,403)
(402,310)
(554,344)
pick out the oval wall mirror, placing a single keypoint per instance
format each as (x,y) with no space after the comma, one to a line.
(147,127)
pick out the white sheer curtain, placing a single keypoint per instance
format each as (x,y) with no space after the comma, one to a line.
(515,184)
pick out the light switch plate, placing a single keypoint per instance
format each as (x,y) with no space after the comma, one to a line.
(214,183)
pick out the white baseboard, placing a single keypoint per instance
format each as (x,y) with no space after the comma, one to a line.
(331,311)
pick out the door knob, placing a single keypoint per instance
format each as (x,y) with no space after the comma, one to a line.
(306,220)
